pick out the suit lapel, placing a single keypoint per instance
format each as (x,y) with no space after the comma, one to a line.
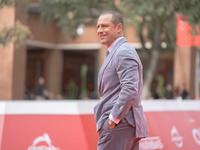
(107,60)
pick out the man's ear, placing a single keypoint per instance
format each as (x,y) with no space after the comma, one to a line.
(119,28)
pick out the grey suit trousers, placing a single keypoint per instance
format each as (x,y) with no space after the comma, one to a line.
(122,137)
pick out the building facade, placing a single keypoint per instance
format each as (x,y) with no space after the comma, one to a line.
(68,66)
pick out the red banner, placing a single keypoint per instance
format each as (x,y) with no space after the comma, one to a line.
(49,132)
(185,36)
(173,125)
(172,130)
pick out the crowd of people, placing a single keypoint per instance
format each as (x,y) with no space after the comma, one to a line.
(40,92)
(168,92)
(171,93)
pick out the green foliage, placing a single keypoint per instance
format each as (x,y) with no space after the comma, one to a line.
(15,34)
(83,73)
(191,9)
(72,90)
(149,14)
(6,3)
(68,14)
(160,86)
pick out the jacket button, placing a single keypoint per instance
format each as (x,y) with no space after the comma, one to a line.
(121,108)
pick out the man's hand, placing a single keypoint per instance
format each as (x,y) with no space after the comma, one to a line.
(111,124)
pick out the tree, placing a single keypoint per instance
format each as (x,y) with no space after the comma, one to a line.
(159,19)
(69,14)
(15,34)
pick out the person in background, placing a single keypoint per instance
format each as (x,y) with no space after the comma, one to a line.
(39,89)
(169,92)
(184,93)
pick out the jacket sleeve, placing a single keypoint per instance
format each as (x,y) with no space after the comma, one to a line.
(127,69)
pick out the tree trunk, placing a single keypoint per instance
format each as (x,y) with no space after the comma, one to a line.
(148,77)
(150,70)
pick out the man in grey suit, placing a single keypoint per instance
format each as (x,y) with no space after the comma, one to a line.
(119,114)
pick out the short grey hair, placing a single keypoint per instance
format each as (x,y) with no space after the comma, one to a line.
(116,17)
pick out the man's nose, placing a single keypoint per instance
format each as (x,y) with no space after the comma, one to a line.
(99,30)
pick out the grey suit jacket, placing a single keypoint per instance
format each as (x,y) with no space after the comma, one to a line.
(120,84)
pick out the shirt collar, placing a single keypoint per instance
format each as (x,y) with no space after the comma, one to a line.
(113,44)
